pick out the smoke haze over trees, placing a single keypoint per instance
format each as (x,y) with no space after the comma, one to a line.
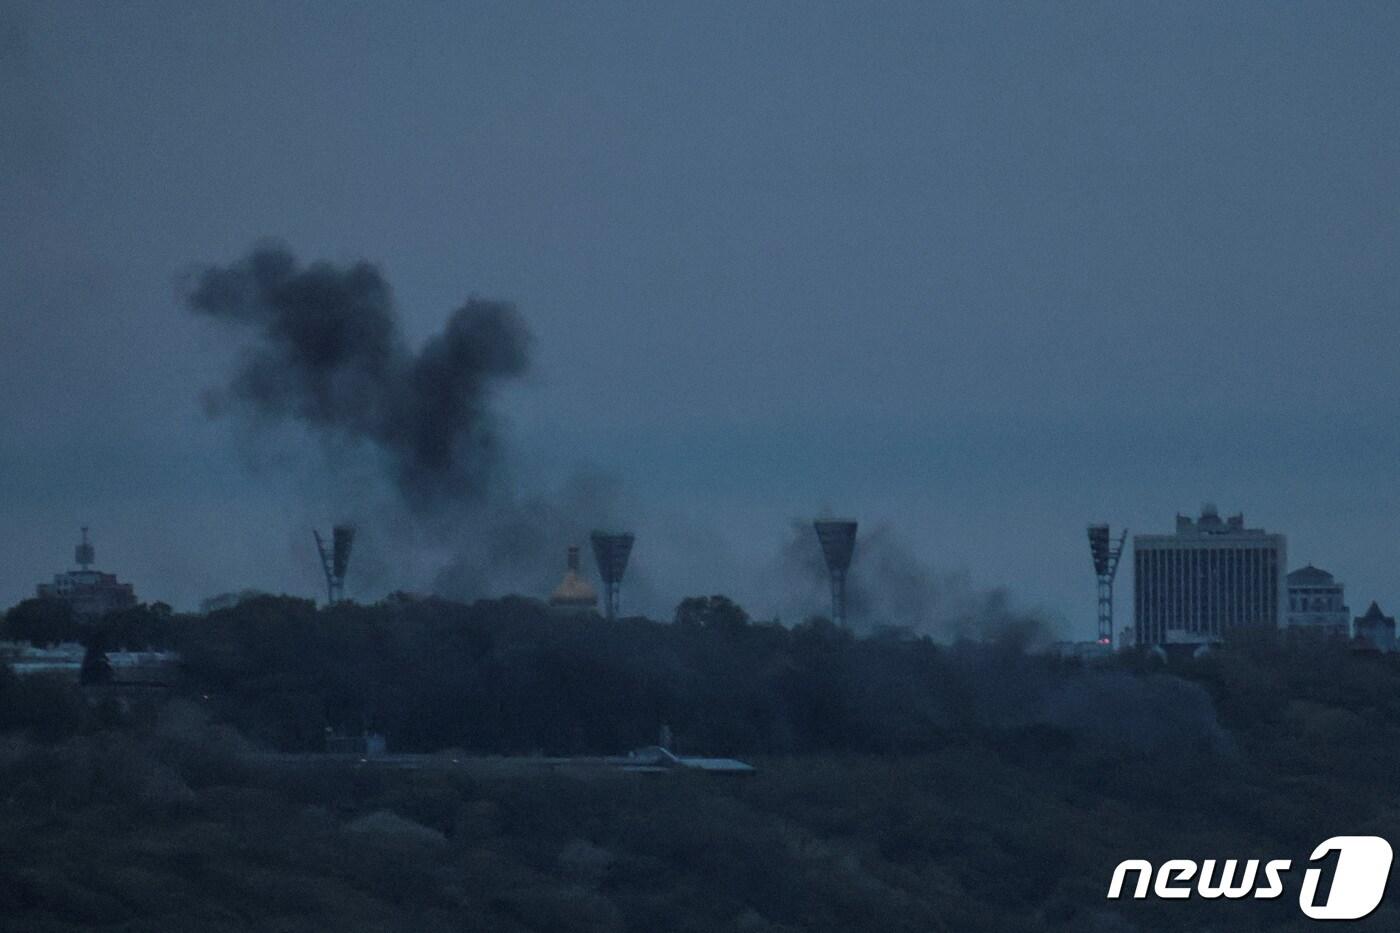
(889,585)
(322,348)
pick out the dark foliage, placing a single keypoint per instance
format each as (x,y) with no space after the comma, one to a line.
(903,785)
(96,669)
(41,621)
(508,676)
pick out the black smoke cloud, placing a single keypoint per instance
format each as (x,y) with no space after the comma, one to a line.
(325,350)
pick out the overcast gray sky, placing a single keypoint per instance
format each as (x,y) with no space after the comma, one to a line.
(981,272)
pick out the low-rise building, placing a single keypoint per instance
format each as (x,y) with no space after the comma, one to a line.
(91,593)
(1316,602)
(65,659)
(1375,630)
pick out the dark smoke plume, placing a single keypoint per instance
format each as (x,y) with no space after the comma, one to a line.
(890,587)
(327,352)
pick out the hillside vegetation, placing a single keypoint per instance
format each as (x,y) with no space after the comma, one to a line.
(902,785)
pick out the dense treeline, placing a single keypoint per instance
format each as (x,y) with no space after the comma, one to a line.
(48,622)
(903,785)
(510,676)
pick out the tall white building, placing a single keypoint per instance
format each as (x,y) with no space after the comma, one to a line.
(1212,575)
(1316,603)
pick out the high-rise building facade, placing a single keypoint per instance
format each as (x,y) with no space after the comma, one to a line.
(1212,575)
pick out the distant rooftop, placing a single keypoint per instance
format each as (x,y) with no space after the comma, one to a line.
(1310,576)
(1375,616)
(90,593)
(1210,524)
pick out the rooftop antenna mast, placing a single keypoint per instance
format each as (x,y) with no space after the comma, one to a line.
(838,541)
(335,560)
(610,551)
(1106,552)
(83,553)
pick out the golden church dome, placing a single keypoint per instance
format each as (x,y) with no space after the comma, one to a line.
(574,592)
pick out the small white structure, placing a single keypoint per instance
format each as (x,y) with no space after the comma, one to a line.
(66,659)
(23,658)
(1081,650)
(654,758)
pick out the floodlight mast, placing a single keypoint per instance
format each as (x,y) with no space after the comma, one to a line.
(838,540)
(610,551)
(335,560)
(1106,553)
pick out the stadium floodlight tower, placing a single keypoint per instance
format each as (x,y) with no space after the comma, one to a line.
(838,541)
(1106,553)
(610,551)
(336,560)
